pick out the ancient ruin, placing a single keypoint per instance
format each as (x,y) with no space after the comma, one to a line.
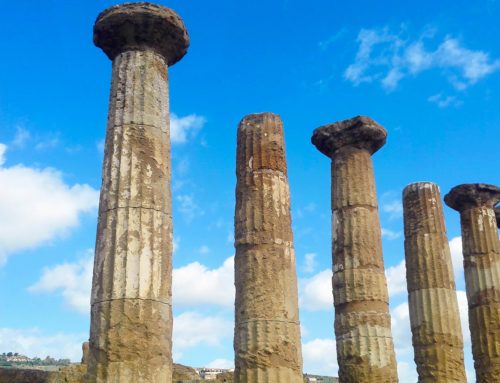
(267,330)
(365,349)
(481,251)
(434,316)
(131,313)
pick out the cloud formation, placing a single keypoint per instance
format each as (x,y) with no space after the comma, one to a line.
(38,206)
(196,284)
(33,342)
(315,293)
(387,57)
(72,280)
(184,128)
(192,329)
(320,357)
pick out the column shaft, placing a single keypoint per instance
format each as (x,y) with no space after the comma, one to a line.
(131,318)
(365,347)
(267,330)
(434,314)
(481,250)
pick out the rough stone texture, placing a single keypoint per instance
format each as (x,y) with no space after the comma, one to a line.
(131,314)
(85,352)
(497,213)
(481,251)
(365,349)
(267,331)
(184,373)
(434,315)
(141,26)
(360,132)
(71,374)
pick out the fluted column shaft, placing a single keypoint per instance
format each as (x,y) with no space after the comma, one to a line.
(481,250)
(434,314)
(362,321)
(267,330)
(365,349)
(131,323)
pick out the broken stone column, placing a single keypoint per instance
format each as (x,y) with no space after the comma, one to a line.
(267,330)
(85,353)
(432,299)
(365,349)
(481,251)
(131,313)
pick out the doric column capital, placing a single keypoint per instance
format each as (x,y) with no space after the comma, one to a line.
(467,196)
(139,26)
(359,132)
(497,213)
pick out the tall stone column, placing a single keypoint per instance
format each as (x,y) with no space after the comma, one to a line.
(131,313)
(267,330)
(481,251)
(365,349)
(434,315)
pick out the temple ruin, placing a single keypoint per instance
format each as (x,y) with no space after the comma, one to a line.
(131,301)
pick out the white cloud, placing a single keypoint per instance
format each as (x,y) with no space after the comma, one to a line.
(390,234)
(443,101)
(221,363)
(315,293)
(188,207)
(195,284)
(389,57)
(100,145)
(463,308)
(401,331)
(320,357)
(204,249)
(22,136)
(309,262)
(72,280)
(393,207)
(396,278)
(48,143)
(3,149)
(192,329)
(184,128)
(34,342)
(457,258)
(36,206)
(407,373)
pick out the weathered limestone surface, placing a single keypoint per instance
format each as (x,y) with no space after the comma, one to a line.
(481,250)
(497,213)
(131,313)
(365,349)
(267,331)
(434,315)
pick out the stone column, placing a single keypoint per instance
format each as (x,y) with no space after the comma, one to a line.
(434,315)
(365,349)
(481,251)
(131,313)
(267,330)
(85,353)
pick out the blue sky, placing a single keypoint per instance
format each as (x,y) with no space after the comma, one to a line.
(428,71)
